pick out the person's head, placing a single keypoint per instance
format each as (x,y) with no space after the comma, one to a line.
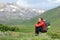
(40,19)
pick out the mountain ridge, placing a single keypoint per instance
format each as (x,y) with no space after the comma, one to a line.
(14,13)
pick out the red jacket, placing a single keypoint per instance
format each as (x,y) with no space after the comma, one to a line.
(40,24)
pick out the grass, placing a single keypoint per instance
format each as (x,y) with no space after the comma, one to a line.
(25,31)
(21,36)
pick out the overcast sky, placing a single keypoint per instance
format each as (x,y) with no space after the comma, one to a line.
(39,4)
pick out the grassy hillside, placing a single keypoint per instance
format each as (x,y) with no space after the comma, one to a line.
(53,16)
(25,31)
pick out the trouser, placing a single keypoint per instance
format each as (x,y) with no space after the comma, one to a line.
(39,29)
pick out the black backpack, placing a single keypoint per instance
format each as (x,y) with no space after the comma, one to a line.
(47,23)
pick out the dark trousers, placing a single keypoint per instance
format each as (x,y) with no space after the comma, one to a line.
(39,29)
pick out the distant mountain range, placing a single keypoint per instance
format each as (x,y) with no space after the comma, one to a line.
(11,11)
(14,11)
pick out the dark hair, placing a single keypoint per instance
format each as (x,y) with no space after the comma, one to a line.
(41,18)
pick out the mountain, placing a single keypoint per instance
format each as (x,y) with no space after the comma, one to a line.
(25,30)
(13,12)
(53,16)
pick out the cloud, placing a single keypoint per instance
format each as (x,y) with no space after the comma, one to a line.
(54,1)
(57,1)
(49,4)
(40,4)
(22,3)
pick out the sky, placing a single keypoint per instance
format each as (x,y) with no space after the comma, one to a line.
(38,4)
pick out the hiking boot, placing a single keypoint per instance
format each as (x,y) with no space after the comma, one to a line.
(36,34)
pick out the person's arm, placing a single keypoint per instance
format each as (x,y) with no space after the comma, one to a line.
(40,24)
(36,25)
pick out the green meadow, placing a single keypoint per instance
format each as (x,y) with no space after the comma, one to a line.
(25,30)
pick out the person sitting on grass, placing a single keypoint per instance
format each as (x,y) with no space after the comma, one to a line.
(40,26)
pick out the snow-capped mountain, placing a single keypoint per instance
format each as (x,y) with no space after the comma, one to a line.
(13,11)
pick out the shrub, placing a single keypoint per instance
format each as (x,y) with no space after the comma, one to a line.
(8,28)
(54,35)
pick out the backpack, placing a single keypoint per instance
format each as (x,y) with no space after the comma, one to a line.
(47,23)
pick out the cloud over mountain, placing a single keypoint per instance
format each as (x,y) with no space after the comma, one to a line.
(40,4)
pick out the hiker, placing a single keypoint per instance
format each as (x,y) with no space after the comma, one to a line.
(40,26)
